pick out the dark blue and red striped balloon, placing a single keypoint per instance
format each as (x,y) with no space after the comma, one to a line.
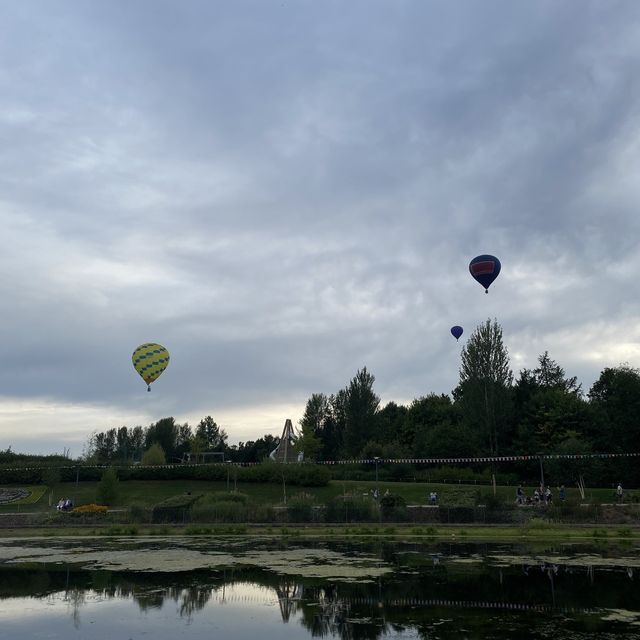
(485,270)
(456,332)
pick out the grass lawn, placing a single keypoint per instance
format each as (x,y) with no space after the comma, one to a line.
(149,493)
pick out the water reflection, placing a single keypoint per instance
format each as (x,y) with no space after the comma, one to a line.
(449,592)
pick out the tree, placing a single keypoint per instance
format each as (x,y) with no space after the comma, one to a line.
(154,455)
(423,416)
(547,405)
(484,390)
(214,438)
(389,423)
(447,441)
(123,446)
(568,470)
(316,413)
(136,442)
(183,440)
(550,375)
(50,478)
(360,411)
(334,427)
(255,450)
(316,417)
(103,446)
(615,428)
(308,444)
(165,433)
(108,487)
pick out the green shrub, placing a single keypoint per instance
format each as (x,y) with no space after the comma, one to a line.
(393,507)
(222,511)
(174,509)
(300,508)
(351,509)
(139,513)
(223,496)
(305,474)
(537,524)
(154,455)
(108,487)
(491,502)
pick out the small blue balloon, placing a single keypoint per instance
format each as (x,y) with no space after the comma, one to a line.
(456,332)
(485,270)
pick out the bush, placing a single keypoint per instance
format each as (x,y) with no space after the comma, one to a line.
(491,502)
(351,509)
(174,509)
(393,507)
(139,513)
(300,508)
(107,492)
(224,496)
(303,475)
(221,511)
(154,455)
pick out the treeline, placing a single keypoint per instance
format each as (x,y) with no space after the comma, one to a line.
(167,441)
(490,412)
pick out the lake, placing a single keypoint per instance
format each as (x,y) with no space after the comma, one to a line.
(201,587)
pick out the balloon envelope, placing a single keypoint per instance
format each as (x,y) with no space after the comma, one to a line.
(150,360)
(456,331)
(485,269)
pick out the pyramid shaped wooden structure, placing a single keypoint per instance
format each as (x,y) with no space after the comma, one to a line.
(285,452)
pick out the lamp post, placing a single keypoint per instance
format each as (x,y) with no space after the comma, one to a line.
(377,460)
(541,471)
(75,494)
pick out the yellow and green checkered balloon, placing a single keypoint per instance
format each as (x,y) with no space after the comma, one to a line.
(150,360)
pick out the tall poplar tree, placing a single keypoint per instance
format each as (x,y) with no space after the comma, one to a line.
(485,386)
(360,408)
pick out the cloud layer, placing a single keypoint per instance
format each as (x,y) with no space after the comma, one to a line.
(284,192)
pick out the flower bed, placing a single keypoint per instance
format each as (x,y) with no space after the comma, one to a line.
(91,508)
(21,495)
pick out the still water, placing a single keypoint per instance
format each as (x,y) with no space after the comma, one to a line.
(205,588)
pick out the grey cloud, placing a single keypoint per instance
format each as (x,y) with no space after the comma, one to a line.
(282,193)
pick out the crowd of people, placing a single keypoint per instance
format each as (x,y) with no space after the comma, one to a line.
(541,496)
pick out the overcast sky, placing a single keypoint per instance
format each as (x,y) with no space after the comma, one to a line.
(282,192)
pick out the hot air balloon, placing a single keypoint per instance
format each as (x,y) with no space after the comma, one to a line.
(456,332)
(485,270)
(150,360)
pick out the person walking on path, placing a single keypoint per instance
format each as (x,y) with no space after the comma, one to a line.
(619,492)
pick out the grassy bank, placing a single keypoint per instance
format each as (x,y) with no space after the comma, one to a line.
(536,531)
(148,493)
